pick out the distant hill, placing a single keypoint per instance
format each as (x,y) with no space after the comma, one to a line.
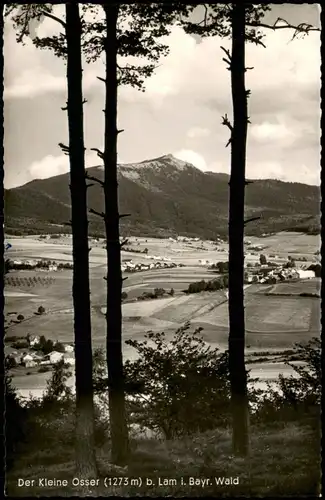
(165,196)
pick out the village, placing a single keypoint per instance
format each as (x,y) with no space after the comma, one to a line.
(36,351)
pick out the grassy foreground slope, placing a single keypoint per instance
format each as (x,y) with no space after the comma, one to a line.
(284,462)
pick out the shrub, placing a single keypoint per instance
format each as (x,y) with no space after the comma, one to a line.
(10,362)
(21,344)
(296,397)
(263,259)
(164,382)
(15,423)
(44,369)
(59,347)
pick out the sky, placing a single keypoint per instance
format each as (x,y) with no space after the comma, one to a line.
(180,112)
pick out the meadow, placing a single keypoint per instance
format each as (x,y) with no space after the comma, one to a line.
(274,321)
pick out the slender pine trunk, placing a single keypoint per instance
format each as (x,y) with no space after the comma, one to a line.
(238,377)
(117,413)
(85,446)
(2,261)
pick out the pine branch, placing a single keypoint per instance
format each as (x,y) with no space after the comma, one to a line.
(251,219)
(255,40)
(99,214)
(95,179)
(99,153)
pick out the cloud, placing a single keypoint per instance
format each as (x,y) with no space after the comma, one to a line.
(198,132)
(51,166)
(192,157)
(269,132)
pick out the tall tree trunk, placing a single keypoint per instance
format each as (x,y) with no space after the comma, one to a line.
(238,378)
(2,266)
(85,447)
(117,414)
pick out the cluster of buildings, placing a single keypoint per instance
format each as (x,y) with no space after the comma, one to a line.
(31,358)
(267,274)
(33,264)
(161,263)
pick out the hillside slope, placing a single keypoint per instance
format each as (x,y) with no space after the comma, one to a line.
(166,196)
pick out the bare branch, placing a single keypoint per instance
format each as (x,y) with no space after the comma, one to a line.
(64,148)
(105,278)
(99,153)
(84,101)
(248,182)
(204,20)
(124,242)
(100,214)
(228,143)
(227,52)
(124,215)
(89,249)
(101,79)
(57,19)
(249,67)
(89,185)
(300,28)
(226,122)
(120,131)
(67,223)
(126,277)
(65,108)
(95,179)
(251,219)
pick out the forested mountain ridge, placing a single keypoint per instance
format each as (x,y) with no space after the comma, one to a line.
(166,196)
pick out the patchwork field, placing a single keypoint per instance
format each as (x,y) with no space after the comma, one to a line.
(289,243)
(273,322)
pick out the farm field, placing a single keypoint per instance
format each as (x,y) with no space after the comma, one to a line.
(289,243)
(273,322)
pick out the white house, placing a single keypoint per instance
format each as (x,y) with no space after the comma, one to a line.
(55,356)
(28,361)
(33,339)
(69,359)
(305,274)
